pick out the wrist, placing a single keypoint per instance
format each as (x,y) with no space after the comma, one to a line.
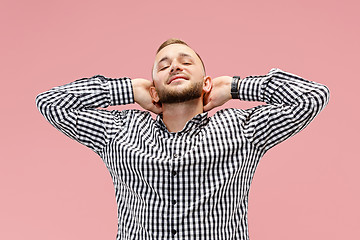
(141,88)
(235,87)
(136,85)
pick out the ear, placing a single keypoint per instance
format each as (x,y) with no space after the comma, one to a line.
(207,84)
(154,95)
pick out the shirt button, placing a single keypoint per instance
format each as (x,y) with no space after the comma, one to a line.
(173,202)
(175,155)
(174,173)
(173,232)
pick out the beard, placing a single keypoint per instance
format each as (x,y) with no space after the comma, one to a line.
(193,91)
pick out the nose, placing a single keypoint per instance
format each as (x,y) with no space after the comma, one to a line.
(175,66)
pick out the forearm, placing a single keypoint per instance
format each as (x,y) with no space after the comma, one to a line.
(97,91)
(279,87)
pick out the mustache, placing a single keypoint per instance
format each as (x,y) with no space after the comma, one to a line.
(177,73)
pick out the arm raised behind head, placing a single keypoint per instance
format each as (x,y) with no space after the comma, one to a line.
(72,108)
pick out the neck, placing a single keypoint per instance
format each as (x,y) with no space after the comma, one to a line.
(176,115)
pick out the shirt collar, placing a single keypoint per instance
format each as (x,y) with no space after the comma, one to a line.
(197,121)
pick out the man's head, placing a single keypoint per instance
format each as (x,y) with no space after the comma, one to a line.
(178,73)
(175,41)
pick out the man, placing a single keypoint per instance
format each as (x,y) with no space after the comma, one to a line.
(183,175)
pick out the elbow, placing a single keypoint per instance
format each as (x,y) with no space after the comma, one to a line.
(313,103)
(318,101)
(323,96)
(327,94)
(39,100)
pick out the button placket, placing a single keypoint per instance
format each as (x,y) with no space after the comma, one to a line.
(173,203)
(172,200)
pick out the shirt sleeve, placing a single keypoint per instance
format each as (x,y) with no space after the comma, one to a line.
(291,104)
(72,108)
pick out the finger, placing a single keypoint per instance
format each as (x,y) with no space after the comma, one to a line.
(157,111)
(156,108)
(206,98)
(208,106)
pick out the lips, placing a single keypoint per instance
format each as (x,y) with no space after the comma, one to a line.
(177,77)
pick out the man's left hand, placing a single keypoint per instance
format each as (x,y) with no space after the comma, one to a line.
(219,94)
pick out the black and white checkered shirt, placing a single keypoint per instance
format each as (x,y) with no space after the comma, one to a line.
(192,184)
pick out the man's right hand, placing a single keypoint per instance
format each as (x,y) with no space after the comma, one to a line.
(141,89)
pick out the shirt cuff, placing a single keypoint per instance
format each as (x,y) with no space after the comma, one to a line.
(121,91)
(250,88)
(258,88)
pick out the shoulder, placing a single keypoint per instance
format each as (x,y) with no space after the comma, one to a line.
(127,117)
(229,113)
(234,115)
(131,113)
(224,119)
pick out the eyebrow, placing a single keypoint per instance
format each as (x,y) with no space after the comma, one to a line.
(180,54)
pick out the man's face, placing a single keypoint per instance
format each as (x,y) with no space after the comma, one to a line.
(178,74)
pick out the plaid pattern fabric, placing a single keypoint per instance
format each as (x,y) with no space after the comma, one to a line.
(192,184)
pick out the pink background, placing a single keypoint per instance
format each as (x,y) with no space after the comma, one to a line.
(54,188)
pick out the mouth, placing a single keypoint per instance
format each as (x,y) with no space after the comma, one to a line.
(177,77)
